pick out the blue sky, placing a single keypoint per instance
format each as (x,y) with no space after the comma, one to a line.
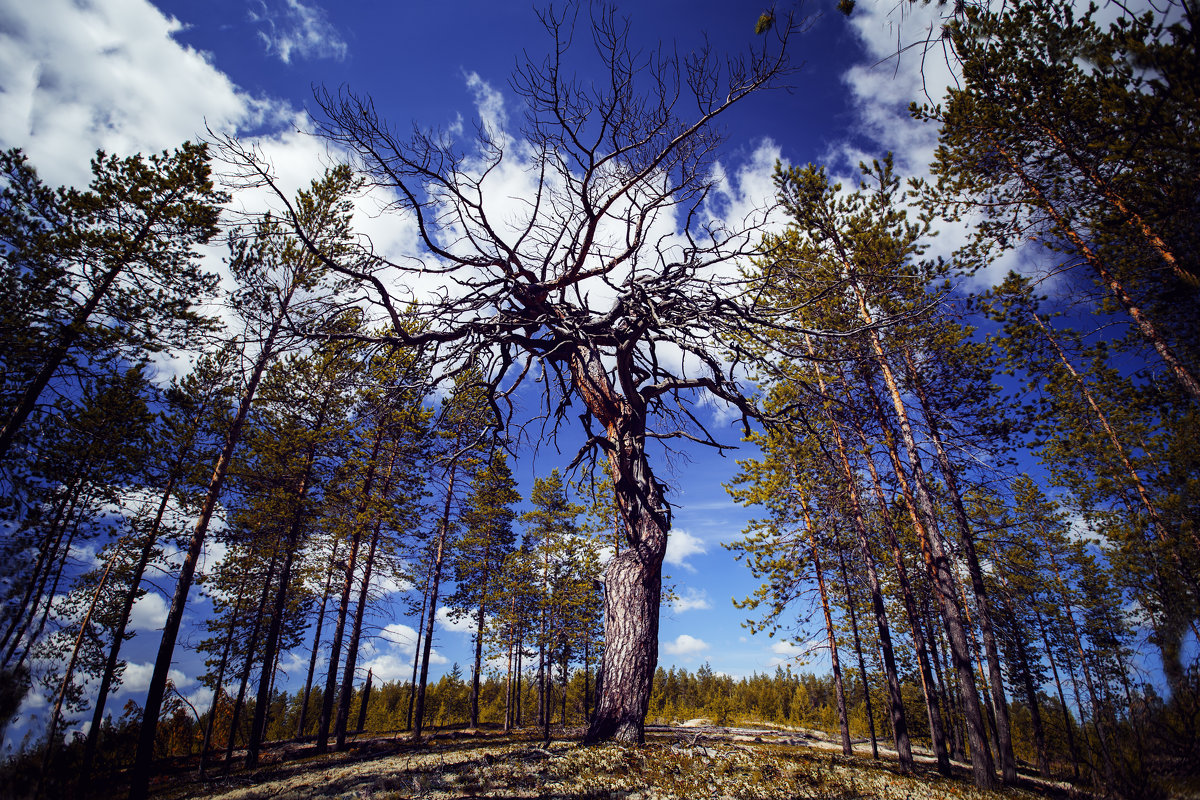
(130,75)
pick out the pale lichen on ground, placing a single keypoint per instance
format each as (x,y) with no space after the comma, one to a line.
(683,768)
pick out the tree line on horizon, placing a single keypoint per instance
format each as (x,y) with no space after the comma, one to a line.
(989,613)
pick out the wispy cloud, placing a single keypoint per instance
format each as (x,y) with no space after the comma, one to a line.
(691,600)
(297,29)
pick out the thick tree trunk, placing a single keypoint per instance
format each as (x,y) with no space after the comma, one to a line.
(633,579)
(632,596)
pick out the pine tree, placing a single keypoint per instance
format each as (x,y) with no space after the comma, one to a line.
(113,269)
(487,540)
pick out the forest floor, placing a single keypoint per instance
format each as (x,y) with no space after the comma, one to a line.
(676,762)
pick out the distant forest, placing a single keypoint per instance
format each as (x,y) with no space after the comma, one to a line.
(980,506)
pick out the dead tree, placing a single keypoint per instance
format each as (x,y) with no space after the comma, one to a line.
(609,283)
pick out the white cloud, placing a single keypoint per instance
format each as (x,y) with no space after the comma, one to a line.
(464,625)
(149,612)
(82,76)
(787,652)
(298,29)
(681,546)
(692,599)
(685,646)
(785,648)
(390,657)
(400,637)
(136,678)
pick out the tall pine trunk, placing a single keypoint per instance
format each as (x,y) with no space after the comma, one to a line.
(435,579)
(835,662)
(139,773)
(936,562)
(862,662)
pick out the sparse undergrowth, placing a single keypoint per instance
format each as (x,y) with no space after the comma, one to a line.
(512,767)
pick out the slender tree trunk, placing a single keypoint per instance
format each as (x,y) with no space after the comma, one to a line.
(69,674)
(312,659)
(362,706)
(248,667)
(1148,329)
(862,662)
(110,666)
(36,589)
(263,699)
(139,773)
(1008,761)
(896,704)
(479,621)
(508,682)
(344,606)
(935,560)
(335,653)
(520,660)
(49,605)
(1025,668)
(22,617)
(937,734)
(839,691)
(75,328)
(1097,708)
(343,715)
(435,580)
(412,686)
(1062,699)
(210,728)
